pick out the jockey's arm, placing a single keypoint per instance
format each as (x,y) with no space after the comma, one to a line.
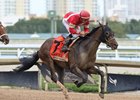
(72,29)
(86,30)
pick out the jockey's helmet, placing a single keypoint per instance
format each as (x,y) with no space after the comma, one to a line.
(84,15)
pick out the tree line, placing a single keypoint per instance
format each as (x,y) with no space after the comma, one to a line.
(43,25)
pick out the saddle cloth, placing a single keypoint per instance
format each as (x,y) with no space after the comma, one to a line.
(55,50)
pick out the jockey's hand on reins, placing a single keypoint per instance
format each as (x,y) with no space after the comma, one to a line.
(83,34)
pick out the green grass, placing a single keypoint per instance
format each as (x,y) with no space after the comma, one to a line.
(72,87)
(84,88)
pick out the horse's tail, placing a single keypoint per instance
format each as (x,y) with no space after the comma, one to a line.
(27,62)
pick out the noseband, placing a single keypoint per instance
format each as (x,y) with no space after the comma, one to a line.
(3,35)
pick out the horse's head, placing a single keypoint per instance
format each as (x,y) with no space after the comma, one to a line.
(108,38)
(3,36)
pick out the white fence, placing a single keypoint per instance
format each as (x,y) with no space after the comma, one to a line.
(10,53)
(17,50)
(122,53)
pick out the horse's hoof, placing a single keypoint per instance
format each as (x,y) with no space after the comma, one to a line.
(67,97)
(101,95)
(76,82)
(78,85)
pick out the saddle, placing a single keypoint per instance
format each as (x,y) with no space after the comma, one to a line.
(55,50)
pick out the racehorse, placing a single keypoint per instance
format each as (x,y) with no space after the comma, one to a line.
(3,35)
(81,58)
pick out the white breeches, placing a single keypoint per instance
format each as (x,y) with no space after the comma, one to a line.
(66,24)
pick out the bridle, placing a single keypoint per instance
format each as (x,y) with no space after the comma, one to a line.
(107,40)
(3,35)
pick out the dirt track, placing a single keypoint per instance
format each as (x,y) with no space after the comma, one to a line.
(19,94)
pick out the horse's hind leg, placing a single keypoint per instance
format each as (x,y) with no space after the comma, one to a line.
(50,63)
(60,72)
(79,83)
(80,74)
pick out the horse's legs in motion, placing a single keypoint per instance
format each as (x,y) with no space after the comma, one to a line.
(94,70)
(101,73)
(80,74)
(50,63)
(60,72)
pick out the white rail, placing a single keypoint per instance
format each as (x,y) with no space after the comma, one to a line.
(122,53)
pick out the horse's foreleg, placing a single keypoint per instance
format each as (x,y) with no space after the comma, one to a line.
(94,70)
(101,73)
(80,74)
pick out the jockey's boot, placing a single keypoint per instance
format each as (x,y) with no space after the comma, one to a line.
(67,42)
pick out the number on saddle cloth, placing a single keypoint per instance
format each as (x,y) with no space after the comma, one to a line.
(55,50)
(58,42)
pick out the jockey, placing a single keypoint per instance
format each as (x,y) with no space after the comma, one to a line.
(72,21)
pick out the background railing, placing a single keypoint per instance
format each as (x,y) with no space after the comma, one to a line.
(122,53)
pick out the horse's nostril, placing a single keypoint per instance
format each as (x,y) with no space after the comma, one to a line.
(7,41)
(116,45)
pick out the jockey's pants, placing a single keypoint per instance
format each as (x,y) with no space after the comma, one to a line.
(66,24)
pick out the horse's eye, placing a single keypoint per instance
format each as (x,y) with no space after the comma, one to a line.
(107,33)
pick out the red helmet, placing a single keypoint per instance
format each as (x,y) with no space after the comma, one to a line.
(84,14)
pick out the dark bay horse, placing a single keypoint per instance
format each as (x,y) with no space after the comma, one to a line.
(3,35)
(82,56)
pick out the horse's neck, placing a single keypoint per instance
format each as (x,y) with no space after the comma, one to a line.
(96,35)
(94,42)
(93,47)
(91,44)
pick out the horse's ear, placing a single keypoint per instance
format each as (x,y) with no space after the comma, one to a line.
(99,23)
(106,23)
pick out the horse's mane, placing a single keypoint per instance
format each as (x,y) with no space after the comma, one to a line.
(93,30)
(88,35)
